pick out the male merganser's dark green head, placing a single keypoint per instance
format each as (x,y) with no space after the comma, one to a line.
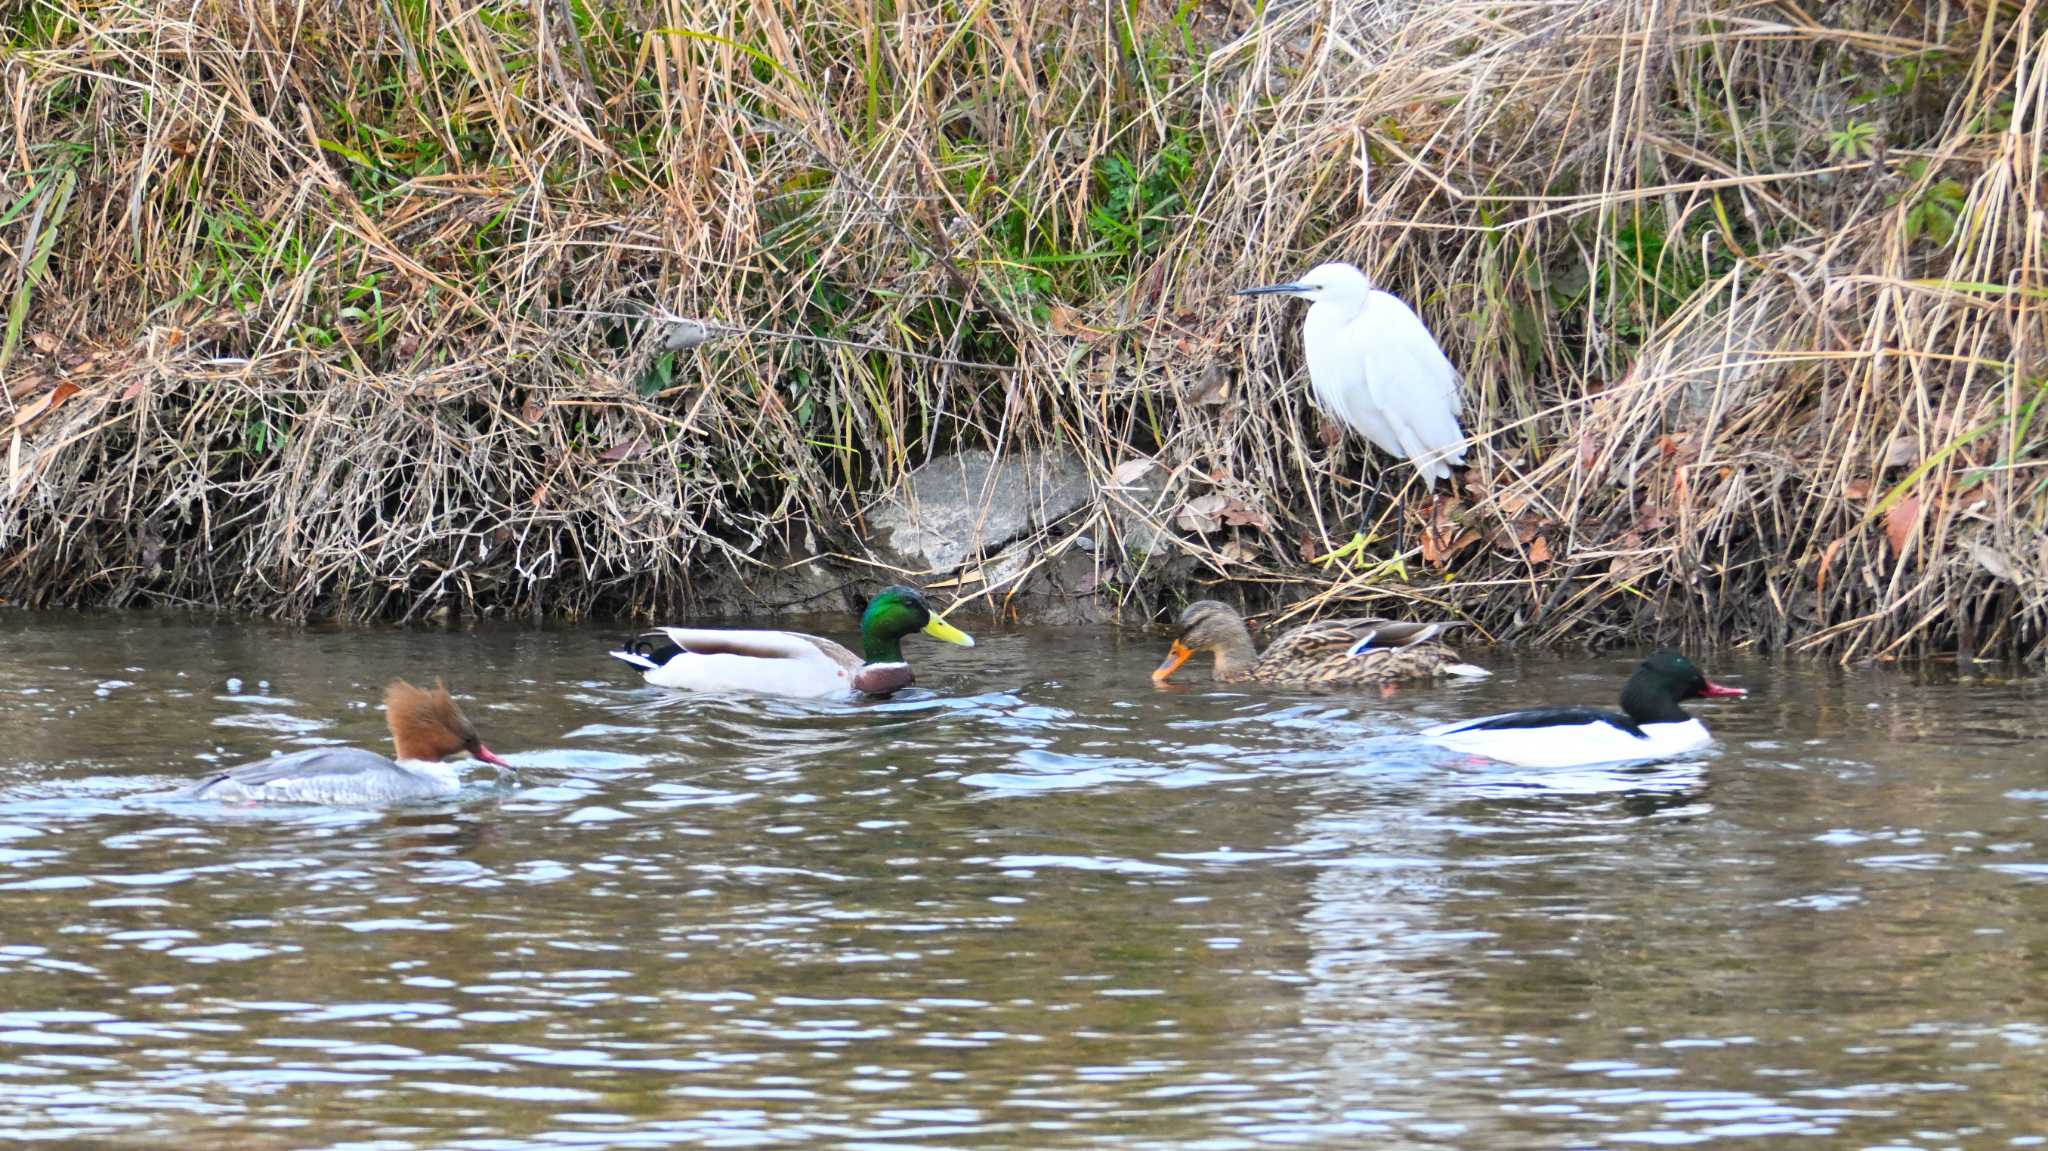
(898,611)
(1664,681)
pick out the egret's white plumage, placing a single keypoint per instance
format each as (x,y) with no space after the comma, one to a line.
(1375,367)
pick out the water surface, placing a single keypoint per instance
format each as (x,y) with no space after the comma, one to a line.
(1032,903)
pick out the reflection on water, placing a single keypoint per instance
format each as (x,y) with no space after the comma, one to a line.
(1034,903)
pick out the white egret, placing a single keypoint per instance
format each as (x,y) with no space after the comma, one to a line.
(1375,367)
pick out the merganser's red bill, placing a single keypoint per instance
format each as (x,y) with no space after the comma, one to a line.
(1716,689)
(490,757)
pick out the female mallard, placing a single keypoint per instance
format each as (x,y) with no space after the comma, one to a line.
(790,662)
(1332,653)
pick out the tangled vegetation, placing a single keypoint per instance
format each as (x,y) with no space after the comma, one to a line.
(354,307)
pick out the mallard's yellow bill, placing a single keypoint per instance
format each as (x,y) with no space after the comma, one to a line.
(944,632)
(1178,656)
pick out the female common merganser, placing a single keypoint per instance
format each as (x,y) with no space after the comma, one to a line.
(426,727)
(791,663)
(1651,725)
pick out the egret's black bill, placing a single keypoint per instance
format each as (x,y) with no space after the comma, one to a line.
(1275,290)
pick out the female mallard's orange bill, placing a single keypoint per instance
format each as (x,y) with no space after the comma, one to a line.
(1178,656)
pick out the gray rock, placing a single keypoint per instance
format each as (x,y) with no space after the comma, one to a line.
(960,506)
(1143,514)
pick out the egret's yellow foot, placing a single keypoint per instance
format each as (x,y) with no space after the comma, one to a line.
(1354,549)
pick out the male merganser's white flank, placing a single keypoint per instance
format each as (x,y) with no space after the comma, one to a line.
(791,663)
(1650,725)
(426,728)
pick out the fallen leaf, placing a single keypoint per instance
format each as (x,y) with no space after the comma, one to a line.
(1901,451)
(1212,387)
(679,334)
(1131,471)
(1589,452)
(1435,551)
(540,494)
(1067,322)
(1899,523)
(1237,513)
(43,405)
(1993,561)
(44,342)
(1238,551)
(1202,514)
(1856,489)
(1539,551)
(1680,448)
(1827,560)
(26,384)
(624,451)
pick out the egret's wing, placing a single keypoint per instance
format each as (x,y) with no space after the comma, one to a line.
(1412,382)
(1337,373)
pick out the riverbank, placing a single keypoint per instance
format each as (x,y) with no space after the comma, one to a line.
(364,317)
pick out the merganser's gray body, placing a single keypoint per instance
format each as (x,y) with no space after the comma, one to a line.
(330,775)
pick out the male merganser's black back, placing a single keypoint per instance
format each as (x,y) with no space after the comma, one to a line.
(1553,717)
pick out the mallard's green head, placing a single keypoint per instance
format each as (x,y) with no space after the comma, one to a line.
(898,611)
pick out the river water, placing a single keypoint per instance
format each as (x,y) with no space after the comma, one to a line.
(1035,902)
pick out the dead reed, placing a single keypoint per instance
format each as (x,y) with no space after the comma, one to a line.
(341,308)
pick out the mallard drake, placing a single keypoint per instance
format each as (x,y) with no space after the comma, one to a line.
(789,662)
(1650,726)
(1331,653)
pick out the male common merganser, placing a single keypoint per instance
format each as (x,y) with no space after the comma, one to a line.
(791,663)
(1651,724)
(1329,653)
(426,728)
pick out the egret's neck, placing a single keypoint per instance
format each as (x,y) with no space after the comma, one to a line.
(1330,313)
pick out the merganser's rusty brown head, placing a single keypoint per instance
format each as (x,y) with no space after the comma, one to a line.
(427,726)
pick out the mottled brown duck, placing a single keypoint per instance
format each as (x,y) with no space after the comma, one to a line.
(1331,653)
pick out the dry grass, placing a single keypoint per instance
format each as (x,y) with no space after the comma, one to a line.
(335,309)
